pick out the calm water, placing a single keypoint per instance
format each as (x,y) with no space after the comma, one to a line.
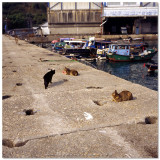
(131,71)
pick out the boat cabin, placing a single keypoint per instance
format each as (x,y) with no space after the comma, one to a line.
(75,44)
(99,44)
(66,39)
(120,49)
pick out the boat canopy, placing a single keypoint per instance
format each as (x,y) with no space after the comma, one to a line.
(60,44)
(99,44)
(78,41)
(66,39)
(75,44)
(121,49)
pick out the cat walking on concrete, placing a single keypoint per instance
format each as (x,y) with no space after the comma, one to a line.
(48,78)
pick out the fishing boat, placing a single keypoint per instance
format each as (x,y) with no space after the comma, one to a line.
(66,39)
(151,66)
(95,44)
(59,46)
(97,47)
(76,47)
(101,54)
(127,52)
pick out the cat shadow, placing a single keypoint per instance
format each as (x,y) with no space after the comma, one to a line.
(53,84)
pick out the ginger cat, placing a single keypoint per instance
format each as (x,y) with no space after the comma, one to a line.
(71,72)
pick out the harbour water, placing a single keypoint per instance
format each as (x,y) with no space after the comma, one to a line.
(132,71)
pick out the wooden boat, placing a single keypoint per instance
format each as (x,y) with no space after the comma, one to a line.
(125,52)
(151,66)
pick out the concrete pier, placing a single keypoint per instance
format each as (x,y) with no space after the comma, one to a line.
(75,117)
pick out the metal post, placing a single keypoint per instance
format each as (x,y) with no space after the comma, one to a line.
(101,17)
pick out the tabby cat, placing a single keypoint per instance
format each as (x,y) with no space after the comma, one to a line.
(122,96)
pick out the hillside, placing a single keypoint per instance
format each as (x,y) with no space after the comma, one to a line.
(24,15)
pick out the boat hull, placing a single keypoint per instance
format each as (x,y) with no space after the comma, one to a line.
(151,67)
(81,52)
(124,58)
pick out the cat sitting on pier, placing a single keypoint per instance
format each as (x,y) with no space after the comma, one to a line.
(122,96)
(71,72)
(48,78)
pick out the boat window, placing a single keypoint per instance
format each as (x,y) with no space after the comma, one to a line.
(92,42)
(96,44)
(106,46)
(116,47)
(121,47)
(127,47)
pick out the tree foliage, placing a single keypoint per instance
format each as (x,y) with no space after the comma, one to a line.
(22,15)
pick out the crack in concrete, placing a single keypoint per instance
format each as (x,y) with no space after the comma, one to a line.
(74,131)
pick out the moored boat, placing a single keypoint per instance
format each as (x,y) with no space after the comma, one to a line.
(151,66)
(101,54)
(59,46)
(95,44)
(76,47)
(125,52)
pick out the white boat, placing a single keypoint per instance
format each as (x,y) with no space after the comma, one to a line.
(77,47)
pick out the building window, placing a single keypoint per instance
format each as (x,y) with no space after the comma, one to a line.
(105,4)
(130,4)
(113,3)
(154,4)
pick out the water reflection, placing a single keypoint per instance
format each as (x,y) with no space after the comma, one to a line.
(131,71)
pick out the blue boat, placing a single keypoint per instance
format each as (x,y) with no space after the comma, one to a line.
(94,45)
(59,46)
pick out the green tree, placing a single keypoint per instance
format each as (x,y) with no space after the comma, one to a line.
(19,14)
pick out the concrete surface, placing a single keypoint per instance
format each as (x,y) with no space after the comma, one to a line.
(76,117)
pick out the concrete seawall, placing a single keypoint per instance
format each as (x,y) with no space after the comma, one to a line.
(75,117)
(50,38)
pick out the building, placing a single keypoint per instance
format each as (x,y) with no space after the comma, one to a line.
(74,18)
(42,30)
(107,18)
(135,17)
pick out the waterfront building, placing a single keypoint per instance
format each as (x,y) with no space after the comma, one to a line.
(74,18)
(135,17)
(105,18)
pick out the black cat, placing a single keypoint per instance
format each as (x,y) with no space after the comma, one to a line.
(48,78)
